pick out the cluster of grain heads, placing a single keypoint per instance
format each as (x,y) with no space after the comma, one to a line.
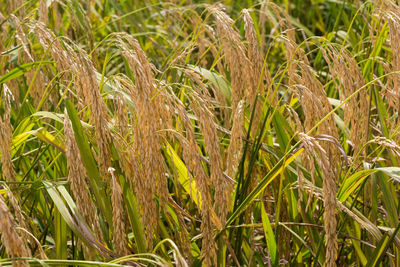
(260,77)
(329,188)
(310,91)
(15,246)
(150,115)
(87,88)
(7,168)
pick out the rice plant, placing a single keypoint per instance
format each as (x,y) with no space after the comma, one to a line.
(196,133)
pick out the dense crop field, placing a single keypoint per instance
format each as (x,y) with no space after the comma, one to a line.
(195,133)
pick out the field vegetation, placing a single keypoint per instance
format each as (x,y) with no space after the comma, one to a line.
(196,133)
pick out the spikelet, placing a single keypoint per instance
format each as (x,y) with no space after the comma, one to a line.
(235,56)
(349,77)
(329,189)
(13,243)
(76,178)
(8,171)
(119,236)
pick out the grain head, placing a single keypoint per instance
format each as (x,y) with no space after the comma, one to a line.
(119,237)
(329,188)
(15,246)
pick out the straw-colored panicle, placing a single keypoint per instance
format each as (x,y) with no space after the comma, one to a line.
(87,89)
(234,55)
(223,189)
(151,115)
(8,171)
(18,212)
(119,217)
(235,145)
(389,144)
(64,59)
(38,79)
(254,56)
(192,156)
(15,246)
(140,178)
(77,179)
(350,79)
(303,78)
(329,189)
(390,11)
(259,78)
